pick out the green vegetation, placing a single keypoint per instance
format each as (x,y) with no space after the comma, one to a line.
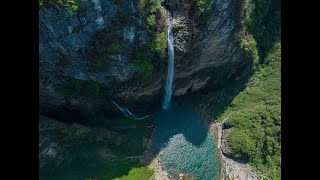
(250,46)
(105,44)
(205,8)
(151,5)
(143,61)
(78,87)
(121,139)
(80,131)
(134,129)
(265,25)
(204,5)
(241,144)
(71,5)
(141,173)
(247,41)
(150,10)
(254,116)
(151,20)
(256,112)
(260,27)
(160,43)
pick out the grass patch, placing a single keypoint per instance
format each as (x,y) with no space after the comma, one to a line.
(141,173)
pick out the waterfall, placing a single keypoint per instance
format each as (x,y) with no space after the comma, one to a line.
(168,90)
(127,113)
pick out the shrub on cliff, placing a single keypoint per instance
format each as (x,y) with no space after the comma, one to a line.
(154,16)
(261,20)
(204,5)
(71,5)
(143,61)
(249,45)
(151,20)
(160,43)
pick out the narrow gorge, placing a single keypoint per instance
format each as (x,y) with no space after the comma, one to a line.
(159,89)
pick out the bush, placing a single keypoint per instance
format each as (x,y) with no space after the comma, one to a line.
(160,43)
(151,20)
(249,45)
(241,144)
(155,5)
(72,5)
(142,4)
(204,5)
(80,132)
(261,18)
(155,20)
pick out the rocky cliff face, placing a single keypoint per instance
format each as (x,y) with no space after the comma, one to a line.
(212,54)
(82,46)
(70,42)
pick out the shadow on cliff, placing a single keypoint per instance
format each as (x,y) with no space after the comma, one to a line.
(217,99)
(179,119)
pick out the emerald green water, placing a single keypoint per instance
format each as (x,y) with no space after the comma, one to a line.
(187,144)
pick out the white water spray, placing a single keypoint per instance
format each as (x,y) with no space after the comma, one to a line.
(168,90)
